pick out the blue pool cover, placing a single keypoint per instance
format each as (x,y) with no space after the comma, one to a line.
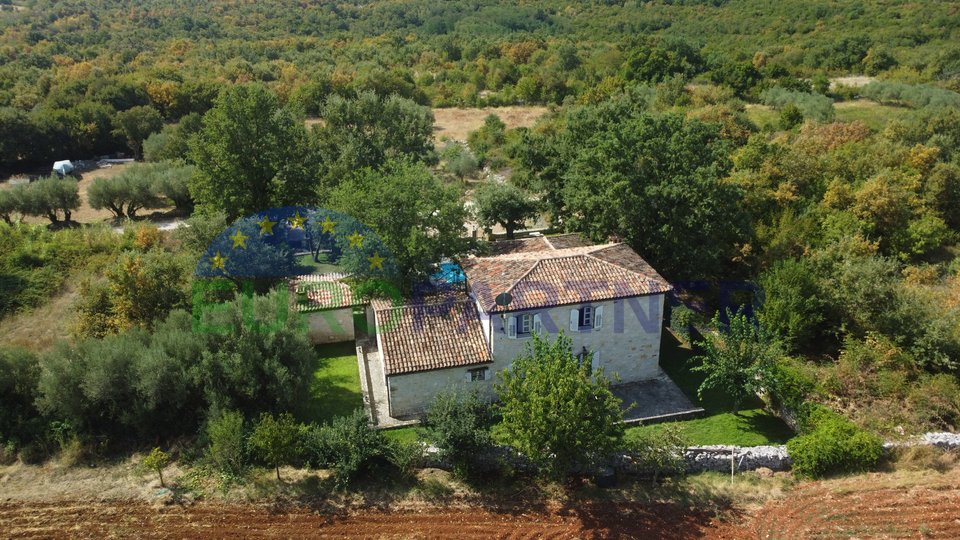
(449,273)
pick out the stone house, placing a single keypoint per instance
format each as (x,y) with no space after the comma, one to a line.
(604,297)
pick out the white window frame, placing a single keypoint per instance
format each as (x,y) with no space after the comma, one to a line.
(525,325)
(585,317)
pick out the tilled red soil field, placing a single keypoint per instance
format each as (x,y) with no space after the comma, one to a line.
(823,511)
(867,506)
(118,520)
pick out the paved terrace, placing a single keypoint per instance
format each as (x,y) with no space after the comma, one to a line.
(654,400)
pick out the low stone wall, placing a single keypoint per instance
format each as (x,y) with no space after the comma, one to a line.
(744,458)
(717,457)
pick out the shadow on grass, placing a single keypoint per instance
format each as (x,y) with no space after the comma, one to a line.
(676,359)
(335,389)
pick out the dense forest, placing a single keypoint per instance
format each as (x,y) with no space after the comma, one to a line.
(68,68)
(717,138)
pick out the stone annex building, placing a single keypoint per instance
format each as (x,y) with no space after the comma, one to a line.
(605,297)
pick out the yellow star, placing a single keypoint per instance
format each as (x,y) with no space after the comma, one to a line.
(266,226)
(356,239)
(297,221)
(328,225)
(239,240)
(218,261)
(376,261)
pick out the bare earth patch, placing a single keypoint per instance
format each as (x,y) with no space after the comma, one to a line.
(855,81)
(456,123)
(58,502)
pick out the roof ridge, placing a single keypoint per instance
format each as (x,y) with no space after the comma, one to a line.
(426,304)
(632,271)
(513,285)
(554,253)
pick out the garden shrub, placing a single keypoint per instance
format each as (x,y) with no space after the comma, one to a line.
(459,425)
(832,444)
(227,450)
(658,451)
(350,446)
(20,422)
(683,321)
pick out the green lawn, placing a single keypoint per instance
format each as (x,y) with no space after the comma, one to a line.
(405,435)
(335,390)
(307,265)
(751,426)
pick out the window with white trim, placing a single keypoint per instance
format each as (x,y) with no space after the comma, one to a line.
(586,317)
(524,324)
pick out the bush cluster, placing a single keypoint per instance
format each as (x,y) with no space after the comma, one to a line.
(832,444)
(813,106)
(139,385)
(912,95)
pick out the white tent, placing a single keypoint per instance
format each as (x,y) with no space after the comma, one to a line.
(63,167)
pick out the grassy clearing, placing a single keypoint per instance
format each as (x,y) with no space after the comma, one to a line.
(872,114)
(751,426)
(335,390)
(307,265)
(457,123)
(763,115)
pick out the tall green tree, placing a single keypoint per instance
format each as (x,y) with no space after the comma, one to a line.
(555,411)
(136,124)
(737,358)
(792,305)
(418,218)
(655,181)
(251,154)
(505,204)
(369,130)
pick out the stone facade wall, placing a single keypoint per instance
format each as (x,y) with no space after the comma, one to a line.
(628,340)
(330,326)
(412,393)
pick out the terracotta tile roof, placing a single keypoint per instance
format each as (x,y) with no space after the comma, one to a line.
(323,292)
(423,337)
(560,276)
(569,240)
(521,245)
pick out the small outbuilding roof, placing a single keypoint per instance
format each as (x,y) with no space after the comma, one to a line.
(320,292)
(429,336)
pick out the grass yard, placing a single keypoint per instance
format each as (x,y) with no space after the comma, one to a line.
(335,390)
(406,435)
(751,426)
(307,265)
